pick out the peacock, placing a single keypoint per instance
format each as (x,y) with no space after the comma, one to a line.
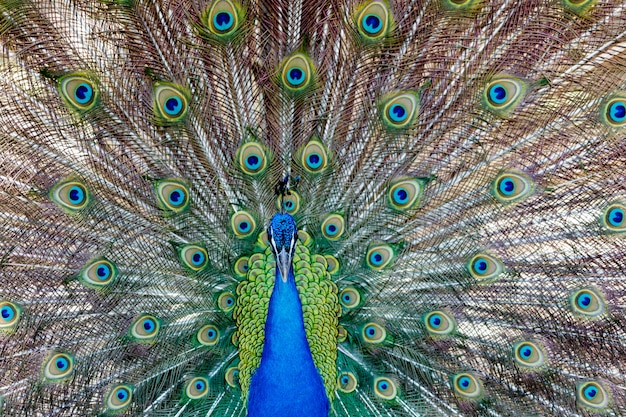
(313,208)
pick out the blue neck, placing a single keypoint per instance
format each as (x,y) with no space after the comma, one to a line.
(286,383)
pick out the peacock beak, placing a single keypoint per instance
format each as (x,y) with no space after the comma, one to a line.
(283,263)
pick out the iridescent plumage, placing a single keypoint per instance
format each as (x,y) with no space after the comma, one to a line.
(450,181)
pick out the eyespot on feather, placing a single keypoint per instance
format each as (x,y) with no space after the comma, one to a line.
(193,257)
(172,195)
(253,158)
(385,388)
(70,195)
(58,367)
(399,111)
(208,335)
(197,388)
(373,21)
(485,268)
(10,314)
(170,102)
(503,95)
(440,323)
(297,73)
(346,382)
(587,302)
(529,354)
(223,19)
(145,328)
(79,92)
(118,398)
(467,386)
(243,224)
(379,257)
(98,273)
(592,395)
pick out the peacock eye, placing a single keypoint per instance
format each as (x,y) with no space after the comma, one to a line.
(511,187)
(346,382)
(9,315)
(342,334)
(297,73)
(400,110)
(58,367)
(290,202)
(193,257)
(197,388)
(208,335)
(98,273)
(373,333)
(172,195)
(170,104)
(374,21)
(385,388)
(593,395)
(379,256)
(241,266)
(223,18)
(70,195)
(333,227)
(79,92)
(529,354)
(145,328)
(439,323)
(232,376)
(502,95)
(587,302)
(314,157)
(467,386)
(252,158)
(404,194)
(332,264)
(226,301)
(350,298)
(119,397)
(243,224)
(485,268)
(613,218)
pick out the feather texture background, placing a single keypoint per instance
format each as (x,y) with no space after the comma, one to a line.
(469,154)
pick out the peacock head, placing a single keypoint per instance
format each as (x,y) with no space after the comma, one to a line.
(282,234)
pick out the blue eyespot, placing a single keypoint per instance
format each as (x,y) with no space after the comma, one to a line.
(400,196)
(76,194)
(61,364)
(173,106)
(176,197)
(497,93)
(331,229)
(345,380)
(200,385)
(616,216)
(103,272)
(314,160)
(526,351)
(590,392)
(243,226)
(507,186)
(372,24)
(584,300)
(464,382)
(346,298)
(376,258)
(370,330)
(149,325)
(83,93)
(435,321)
(617,112)
(397,113)
(7,313)
(211,334)
(481,266)
(122,394)
(295,76)
(383,385)
(223,21)
(197,258)
(253,162)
